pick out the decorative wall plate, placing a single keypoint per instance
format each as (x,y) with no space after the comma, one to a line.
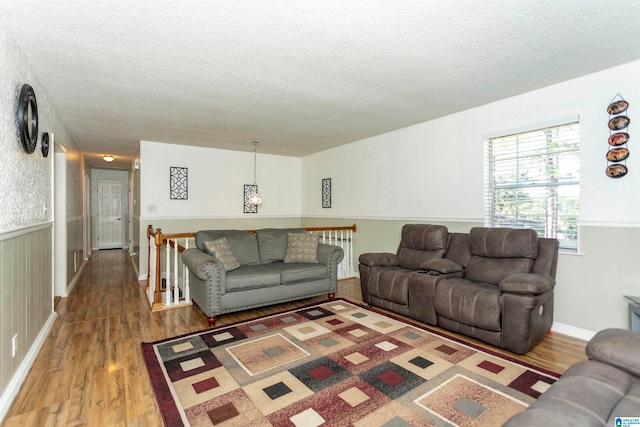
(44,144)
(618,123)
(27,117)
(616,171)
(617,154)
(617,107)
(619,138)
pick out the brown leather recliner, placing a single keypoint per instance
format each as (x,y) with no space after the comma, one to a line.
(384,277)
(493,284)
(505,296)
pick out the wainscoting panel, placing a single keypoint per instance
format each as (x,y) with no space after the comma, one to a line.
(75,252)
(26,295)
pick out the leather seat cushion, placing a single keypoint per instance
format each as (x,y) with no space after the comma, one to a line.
(390,283)
(474,304)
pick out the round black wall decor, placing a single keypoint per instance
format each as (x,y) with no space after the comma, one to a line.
(44,144)
(27,116)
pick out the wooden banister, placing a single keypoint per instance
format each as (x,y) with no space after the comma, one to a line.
(353,228)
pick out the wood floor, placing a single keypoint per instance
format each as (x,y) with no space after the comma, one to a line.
(90,369)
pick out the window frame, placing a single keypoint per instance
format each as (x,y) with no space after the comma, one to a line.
(499,163)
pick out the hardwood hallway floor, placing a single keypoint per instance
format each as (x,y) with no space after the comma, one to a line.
(90,369)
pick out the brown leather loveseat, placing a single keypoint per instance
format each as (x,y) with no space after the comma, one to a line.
(493,284)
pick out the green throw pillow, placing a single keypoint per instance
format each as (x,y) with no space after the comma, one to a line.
(222,250)
(302,247)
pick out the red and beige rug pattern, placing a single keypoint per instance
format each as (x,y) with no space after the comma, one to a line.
(335,363)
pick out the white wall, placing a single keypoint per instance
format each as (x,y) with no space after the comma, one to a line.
(433,172)
(216,182)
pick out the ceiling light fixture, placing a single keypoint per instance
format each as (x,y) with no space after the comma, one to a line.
(255,198)
(108,158)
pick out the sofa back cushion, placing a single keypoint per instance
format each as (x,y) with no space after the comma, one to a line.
(499,252)
(458,248)
(547,260)
(421,242)
(244,244)
(503,242)
(272,243)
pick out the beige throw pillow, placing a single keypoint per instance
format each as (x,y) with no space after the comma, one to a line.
(221,249)
(302,247)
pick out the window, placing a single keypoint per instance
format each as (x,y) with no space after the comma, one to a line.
(533,181)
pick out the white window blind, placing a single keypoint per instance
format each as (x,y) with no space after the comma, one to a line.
(532,181)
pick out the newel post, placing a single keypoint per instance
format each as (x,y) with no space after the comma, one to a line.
(157,296)
(149,233)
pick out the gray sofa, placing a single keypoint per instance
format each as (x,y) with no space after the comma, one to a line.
(593,392)
(263,274)
(493,284)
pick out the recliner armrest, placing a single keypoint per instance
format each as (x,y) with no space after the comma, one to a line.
(384,259)
(527,284)
(441,265)
(616,347)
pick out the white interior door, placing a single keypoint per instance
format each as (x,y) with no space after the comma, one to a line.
(110,221)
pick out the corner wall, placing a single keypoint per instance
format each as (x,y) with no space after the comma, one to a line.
(433,172)
(215,200)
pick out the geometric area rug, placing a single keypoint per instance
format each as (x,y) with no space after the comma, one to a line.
(338,364)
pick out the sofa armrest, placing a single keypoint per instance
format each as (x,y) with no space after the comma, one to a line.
(329,253)
(197,260)
(383,259)
(527,284)
(616,347)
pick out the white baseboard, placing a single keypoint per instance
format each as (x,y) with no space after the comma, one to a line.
(74,281)
(572,331)
(135,266)
(18,378)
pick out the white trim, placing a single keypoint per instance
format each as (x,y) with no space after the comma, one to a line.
(12,389)
(21,231)
(610,224)
(135,267)
(572,331)
(533,127)
(212,217)
(398,218)
(479,220)
(73,282)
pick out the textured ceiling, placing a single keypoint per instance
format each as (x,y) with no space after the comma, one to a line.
(300,76)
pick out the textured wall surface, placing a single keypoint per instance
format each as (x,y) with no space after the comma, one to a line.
(26,178)
(75,175)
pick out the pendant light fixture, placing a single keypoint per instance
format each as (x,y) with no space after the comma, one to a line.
(255,198)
